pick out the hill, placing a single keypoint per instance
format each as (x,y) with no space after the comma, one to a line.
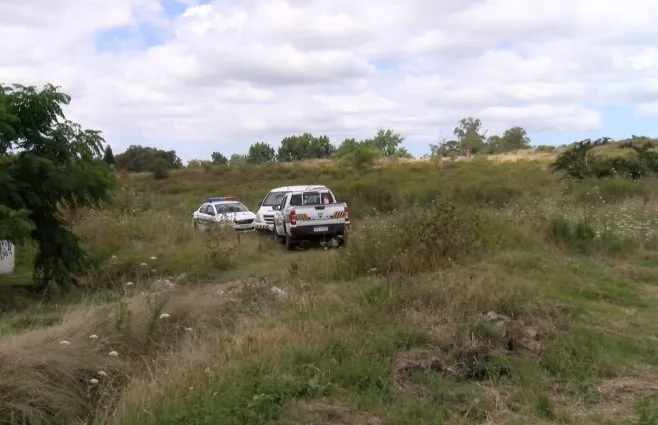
(470,292)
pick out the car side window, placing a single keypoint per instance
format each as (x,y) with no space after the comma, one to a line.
(210,210)
(283,203)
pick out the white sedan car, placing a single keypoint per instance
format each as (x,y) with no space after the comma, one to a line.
(224,210)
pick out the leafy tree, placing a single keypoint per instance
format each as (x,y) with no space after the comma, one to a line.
(469,134)
(346,147)
(108,156)
(305,146)
(362,157)
(578,161)
(141,158)
(261,153)
(515,138)
(495,144)
(445,148)
(237,159)
(198,163)
(388,142)
(47,164)
(219,159)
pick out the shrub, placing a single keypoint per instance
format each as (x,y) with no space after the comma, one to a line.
(160,169)
(421,239)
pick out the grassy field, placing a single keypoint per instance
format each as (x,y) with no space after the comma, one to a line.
(480,292)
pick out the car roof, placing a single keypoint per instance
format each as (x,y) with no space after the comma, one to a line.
(299,188)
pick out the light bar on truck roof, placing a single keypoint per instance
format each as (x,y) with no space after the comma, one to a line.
(221,198)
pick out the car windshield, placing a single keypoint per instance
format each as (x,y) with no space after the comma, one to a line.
(274,198)
(232,207)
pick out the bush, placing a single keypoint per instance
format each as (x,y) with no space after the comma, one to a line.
(160,169)
(421,239)
(580,235)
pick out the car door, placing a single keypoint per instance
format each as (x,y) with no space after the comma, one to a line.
(279,217)
(200,216)
(210,215)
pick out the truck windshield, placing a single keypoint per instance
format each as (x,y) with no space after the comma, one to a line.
(311,198)
(274,198)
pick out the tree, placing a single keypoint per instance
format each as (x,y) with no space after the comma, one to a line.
(445,148)
(108,156)
(261,153)
(219,159)
(305,146)
(237,159)
(495,144)
(346,147)
(198,163)
(469,135)
(142,158)
(361,157)
(578,161)
(55,165)
(388,142)
(515,138)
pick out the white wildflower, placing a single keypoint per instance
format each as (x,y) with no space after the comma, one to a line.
(64,342)
(129,284)
(165,316)
(143,264)
(93,381)
(102,373)
(153,258)
(191,388)
(113,354)
(188,329)
(93,336)
(114,257)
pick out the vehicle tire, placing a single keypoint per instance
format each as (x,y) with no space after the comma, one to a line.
(342,241)
(290,244)
(277,237)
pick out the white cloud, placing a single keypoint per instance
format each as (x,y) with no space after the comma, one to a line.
(228,73)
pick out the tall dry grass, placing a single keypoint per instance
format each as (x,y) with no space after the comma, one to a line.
(77,369)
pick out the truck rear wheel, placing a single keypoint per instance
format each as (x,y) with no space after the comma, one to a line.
(290,244)
(342,240)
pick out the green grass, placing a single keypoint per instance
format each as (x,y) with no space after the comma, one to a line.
(391,329)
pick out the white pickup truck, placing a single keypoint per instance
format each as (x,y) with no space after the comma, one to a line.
(310,214)
(265,215)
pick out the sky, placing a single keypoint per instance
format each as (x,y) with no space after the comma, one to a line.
(204,76)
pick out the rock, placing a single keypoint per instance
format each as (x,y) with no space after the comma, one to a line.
(163,285)
(178,277)
(278,291)
(498,319)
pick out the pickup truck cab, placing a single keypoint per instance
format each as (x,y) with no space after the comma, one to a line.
(224,210)
(265,215)
(310,214)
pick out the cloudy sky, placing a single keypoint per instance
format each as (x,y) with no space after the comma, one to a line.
(203,76)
